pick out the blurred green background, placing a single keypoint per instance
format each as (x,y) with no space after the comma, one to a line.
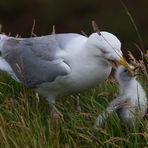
(17,17)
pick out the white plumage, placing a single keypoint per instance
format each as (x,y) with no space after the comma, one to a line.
(131,102)
(60,64)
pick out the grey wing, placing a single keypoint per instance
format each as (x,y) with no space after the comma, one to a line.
(47,47)
(35,60)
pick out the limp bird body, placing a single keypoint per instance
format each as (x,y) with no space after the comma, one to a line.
(131,102)
(136,100)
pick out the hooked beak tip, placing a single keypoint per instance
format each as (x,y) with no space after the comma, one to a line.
(124,63)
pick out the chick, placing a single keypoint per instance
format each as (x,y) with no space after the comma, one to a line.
(131,102)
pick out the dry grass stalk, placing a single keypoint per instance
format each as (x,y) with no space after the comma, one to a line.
(139,64)
(95,27)
(32,30)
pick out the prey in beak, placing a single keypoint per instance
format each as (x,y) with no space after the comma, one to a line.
(122,62)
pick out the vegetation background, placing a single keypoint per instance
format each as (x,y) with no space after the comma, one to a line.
(24,118)
(76,15)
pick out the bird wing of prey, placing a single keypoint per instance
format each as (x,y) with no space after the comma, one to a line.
(115,105)
(35,60)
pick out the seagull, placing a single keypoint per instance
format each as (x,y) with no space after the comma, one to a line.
(60,64)
(131,102)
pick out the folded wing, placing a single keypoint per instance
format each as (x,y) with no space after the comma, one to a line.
(35,60)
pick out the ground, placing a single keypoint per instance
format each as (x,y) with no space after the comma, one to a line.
(25,120)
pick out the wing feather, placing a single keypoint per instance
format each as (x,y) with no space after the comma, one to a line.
(35,60)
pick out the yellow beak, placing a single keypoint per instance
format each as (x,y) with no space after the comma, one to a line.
(123,62)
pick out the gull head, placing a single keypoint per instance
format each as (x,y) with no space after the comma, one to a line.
(110,48)
(123,75)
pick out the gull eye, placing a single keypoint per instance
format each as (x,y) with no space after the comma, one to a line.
(104,52)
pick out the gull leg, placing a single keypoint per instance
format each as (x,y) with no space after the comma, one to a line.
(55,113)
(77,106)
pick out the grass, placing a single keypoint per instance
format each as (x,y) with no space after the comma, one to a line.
(25,120)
